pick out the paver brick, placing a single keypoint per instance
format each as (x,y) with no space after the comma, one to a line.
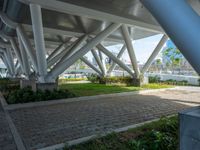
(53,124)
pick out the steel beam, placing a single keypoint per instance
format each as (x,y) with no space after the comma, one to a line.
(8,21)
(112,67)
(77,45)
(67,52)
(154,54)
(27,45)
(94,53)
(70,33)
(91,66)
(130,49)
(76,10)
(103,61)
(36,17)
(56,58)
(10,59)
(82,51)
(25,58)
(17,52)
(61,47)
(115,59)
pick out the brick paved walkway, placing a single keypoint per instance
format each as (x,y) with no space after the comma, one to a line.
(6,138)
(43,126)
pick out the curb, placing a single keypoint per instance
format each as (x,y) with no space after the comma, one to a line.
(77,99)
(87,138)
(18,141)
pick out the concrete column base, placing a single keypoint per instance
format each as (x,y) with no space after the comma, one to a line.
(47,86)
(139,82)
(28,83)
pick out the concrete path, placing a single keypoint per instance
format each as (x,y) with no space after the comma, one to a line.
(47,125)
(6,138)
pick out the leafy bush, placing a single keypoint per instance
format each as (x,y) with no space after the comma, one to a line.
(154,79)
(111,80)
(175,82)
(93,78)
(26,95)
(7,85)
(158,135)
(165,137)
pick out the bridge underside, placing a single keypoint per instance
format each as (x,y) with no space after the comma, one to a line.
(40,39)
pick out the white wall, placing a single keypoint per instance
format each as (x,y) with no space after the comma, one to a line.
(193,80)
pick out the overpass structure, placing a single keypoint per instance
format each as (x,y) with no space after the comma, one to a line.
(45,37)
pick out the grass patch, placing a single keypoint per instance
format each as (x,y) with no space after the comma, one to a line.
(159,135)
(156,86)
(89,89)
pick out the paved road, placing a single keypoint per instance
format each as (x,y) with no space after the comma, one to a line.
(43,126)
(6,138)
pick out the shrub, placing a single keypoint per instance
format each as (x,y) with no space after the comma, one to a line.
(162,137)
(175,82)
(110,80)
(93,78)
(158,135)
(27,95)
(7,85)
(157,79)
(154,79)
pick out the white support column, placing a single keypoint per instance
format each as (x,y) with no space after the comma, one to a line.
(130,49)
(154,54)
(18,69)
(82,51)
(17,52)
(11,60)
(112,67)
(25,58)
(27,45)
(185,33)
(62,56)
(17,64)
(57,57)
(103,61)
(59,49)
(94,53)
(100,55)
(36,17)
(115,59)
(91,66)
(77,45)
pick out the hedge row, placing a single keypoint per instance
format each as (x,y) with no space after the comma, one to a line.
(157,79)
(111,80)
(26,95)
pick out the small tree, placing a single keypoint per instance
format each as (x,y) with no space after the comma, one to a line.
(174,57)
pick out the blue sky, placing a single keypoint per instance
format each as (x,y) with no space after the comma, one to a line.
(143,48)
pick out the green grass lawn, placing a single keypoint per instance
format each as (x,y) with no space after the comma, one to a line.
(158,135)
(88,89)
